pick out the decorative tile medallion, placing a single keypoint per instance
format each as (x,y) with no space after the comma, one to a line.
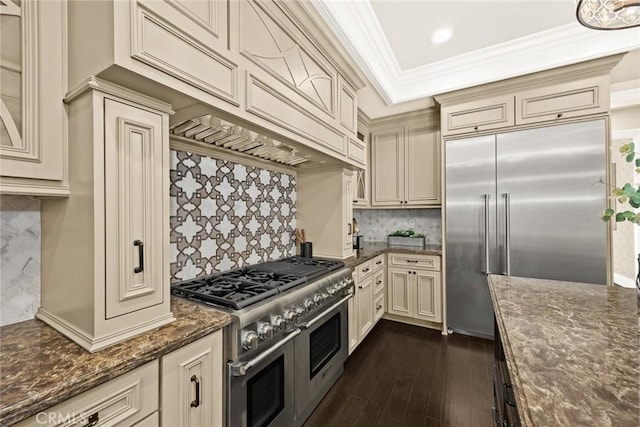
(226,215)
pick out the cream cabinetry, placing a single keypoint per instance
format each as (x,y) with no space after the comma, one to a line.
(262,63)
(120,402)
(325,211)
(368,300)
(562,101)
(105,247)
(414,290)
(33,120)
(485,114)
(549,96)
(405,164)
(192,384)
(361,177)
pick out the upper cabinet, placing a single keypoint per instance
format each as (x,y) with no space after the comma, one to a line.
(267,64)
(569,92)
(33,120)
(405,162)
(362,176)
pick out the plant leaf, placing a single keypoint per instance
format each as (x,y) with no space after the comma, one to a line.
(630,157)
(607,214)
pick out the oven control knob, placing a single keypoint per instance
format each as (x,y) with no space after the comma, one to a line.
(265,331)
(317,299)
(309,304)
(331,290)
(291,316)
(249,340)
(300,311)
(278,323)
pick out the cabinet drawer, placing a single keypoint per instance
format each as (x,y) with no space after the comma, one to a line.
(378,262)
(364,270)
(378,282)
(425,262)
(561,101)
(492,113)
(123,401)
(378,307)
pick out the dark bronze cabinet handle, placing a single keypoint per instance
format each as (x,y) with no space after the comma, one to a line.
(364,270)
(349,227)
(475,128)
(359,287)
(379,262)
(196,403)
(559,115)
(378,307)
(93,420)
(140,267)
(378,282)
(415,261)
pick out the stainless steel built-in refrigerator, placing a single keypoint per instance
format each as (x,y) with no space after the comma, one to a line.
(524,203)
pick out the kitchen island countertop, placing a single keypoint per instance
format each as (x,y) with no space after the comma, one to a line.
(39,367)
(571,349)
(373,249)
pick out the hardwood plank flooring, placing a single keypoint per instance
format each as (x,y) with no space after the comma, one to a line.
(403,375)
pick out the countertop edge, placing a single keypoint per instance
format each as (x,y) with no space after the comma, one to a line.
(521,398)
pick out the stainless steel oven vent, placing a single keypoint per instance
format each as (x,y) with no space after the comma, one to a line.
(214,131)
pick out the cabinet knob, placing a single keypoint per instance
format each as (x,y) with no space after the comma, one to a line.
(559,115)
(475,128)
(92,420)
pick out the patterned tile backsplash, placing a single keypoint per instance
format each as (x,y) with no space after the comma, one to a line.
(19,258)
(376,224)
(226,215)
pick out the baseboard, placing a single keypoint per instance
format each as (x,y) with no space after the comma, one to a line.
(623,281)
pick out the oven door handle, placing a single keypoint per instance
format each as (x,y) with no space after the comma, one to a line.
(309,324)
(240,368)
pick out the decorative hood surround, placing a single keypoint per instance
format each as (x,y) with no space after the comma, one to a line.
(226,215)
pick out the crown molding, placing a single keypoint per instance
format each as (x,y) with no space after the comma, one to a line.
(356,24)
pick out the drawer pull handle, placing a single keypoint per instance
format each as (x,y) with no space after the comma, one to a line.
(378,282)
(378,307)
(359,287)
(364,270)
(196,403)
(93,420)
(379,262)
(415,261)
(140,267)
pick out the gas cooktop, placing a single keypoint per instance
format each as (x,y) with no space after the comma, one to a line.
(240,288)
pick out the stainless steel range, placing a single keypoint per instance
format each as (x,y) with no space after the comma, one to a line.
(288,340)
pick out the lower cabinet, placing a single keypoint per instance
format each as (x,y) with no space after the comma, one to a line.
(415,293)
(192,389)
(121,402)
(367,305)
(183,388)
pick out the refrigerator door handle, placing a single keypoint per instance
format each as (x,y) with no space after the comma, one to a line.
(507,233)
(487,269)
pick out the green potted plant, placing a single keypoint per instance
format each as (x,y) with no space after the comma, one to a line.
(406,238)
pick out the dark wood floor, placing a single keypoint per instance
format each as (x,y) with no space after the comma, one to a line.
(403,375)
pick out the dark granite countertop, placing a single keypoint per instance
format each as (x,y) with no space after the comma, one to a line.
(373,249)
(39,367)
(573,351)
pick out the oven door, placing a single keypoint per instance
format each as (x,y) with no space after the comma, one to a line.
(261,389)
(321,350)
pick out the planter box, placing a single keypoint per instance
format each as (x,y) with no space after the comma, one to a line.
(417,242)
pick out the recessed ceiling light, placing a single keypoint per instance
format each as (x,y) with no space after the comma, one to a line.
(442,35)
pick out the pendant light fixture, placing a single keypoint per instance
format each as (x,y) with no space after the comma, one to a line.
(608,14)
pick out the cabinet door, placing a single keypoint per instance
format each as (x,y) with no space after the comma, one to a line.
(192,389)
(474,116)
(364,290)
(360,188)
(378,282)
(561,101)
(353,323)
(387,170)
(347,205)
(135,157)
(422,166)
(399,292)
(428,296)
(33,118)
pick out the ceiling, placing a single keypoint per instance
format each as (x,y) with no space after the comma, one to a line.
(493,40)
